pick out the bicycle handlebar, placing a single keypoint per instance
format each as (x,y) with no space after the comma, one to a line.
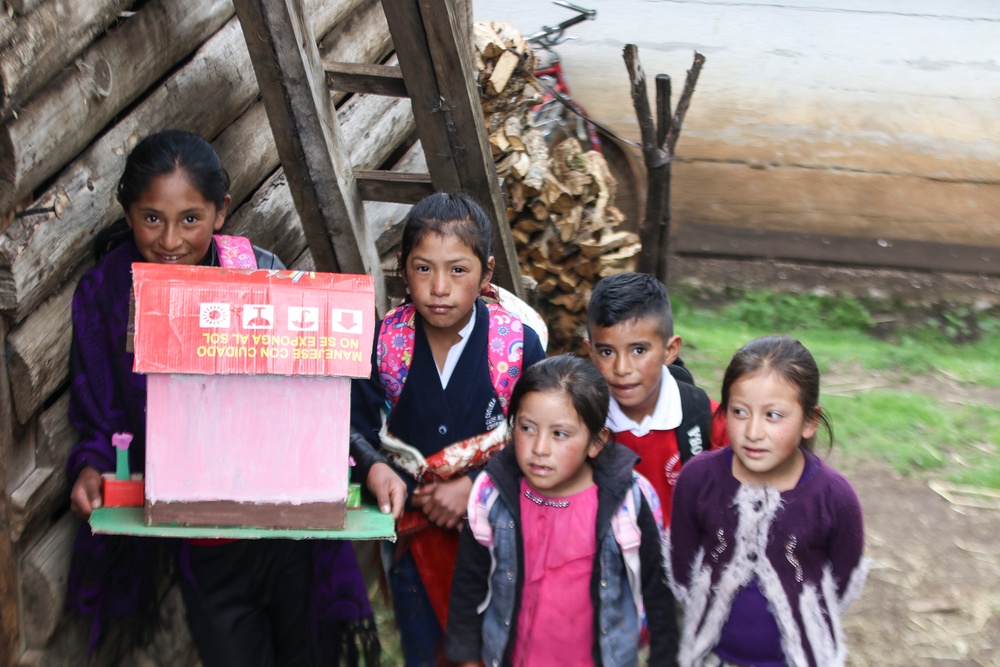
(550,36)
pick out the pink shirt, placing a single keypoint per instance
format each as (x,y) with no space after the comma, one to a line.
(555,625)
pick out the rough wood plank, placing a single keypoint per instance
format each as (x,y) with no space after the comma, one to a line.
(247,146)
(364,78)
(288,70)
(410,40)
(58,122)
(37,498)
(386,219)
(55,436)
(701,239)
(38,352)
(443,63)
(37,253)
(22,7)
(43,581)
(390,186)
(9,612)
(47,40)
(272,210)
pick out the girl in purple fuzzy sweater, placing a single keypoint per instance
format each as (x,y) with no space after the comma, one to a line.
(765,541)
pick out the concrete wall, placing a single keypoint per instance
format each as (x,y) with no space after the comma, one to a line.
(874,118)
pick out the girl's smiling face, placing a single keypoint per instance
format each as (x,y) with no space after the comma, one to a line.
(445,277)
(552,444)
(766,424)
(172,222)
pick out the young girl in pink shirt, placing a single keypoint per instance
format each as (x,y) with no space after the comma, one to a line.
(560,561)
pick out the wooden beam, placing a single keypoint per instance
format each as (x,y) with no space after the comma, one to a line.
(393,186)
(59,122)
(43,581)
(365,78)
(287,67)
(37,498)
(704,239)
(9,611)
(437,64)
(37,352)
(47,40)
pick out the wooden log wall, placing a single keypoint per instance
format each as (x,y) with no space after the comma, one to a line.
(104,74)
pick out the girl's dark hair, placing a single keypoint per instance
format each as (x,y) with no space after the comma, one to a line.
(159,154)
(443,213)
(577,378)
(791,361)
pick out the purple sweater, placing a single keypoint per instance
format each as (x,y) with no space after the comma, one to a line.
(113,579)
(804,546)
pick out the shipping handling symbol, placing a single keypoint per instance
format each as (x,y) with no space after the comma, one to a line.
(257,316)
(214,315)
(345,321)
(303,319)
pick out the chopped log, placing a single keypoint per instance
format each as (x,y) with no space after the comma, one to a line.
(66,115)
(38,252)
(38,353)
(43,581)
(47,40)
(606,243)
(36,498)
(56,436)
(502,72)
(305,129)
(486,40)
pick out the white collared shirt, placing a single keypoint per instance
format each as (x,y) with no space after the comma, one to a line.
(456,350)
(666,415)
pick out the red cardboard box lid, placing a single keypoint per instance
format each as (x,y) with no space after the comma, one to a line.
(210,321)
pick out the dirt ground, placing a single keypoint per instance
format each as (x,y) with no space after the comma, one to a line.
(933,591)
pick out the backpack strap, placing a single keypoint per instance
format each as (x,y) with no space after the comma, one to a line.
(504,352)
(628,535)
(396,339)
(235,252)
(695,427)
(394,350)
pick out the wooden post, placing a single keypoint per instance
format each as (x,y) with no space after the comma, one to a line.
(659,137)
(437,67)
(9,614)
(290,75)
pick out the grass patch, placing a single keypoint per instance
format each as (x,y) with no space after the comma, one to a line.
(915,432)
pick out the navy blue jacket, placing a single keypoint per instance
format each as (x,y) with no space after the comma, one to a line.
(428,416)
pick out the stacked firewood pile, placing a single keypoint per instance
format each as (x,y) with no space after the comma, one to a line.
(568,232)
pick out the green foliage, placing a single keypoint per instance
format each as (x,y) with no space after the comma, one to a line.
(786,312)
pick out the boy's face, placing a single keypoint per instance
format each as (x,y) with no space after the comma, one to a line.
(631,356)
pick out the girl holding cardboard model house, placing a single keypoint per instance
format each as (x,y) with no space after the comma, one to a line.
(248,601)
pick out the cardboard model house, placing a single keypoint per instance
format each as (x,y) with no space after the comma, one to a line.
(248,384)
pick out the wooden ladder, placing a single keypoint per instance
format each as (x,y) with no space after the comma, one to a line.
(435,72)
